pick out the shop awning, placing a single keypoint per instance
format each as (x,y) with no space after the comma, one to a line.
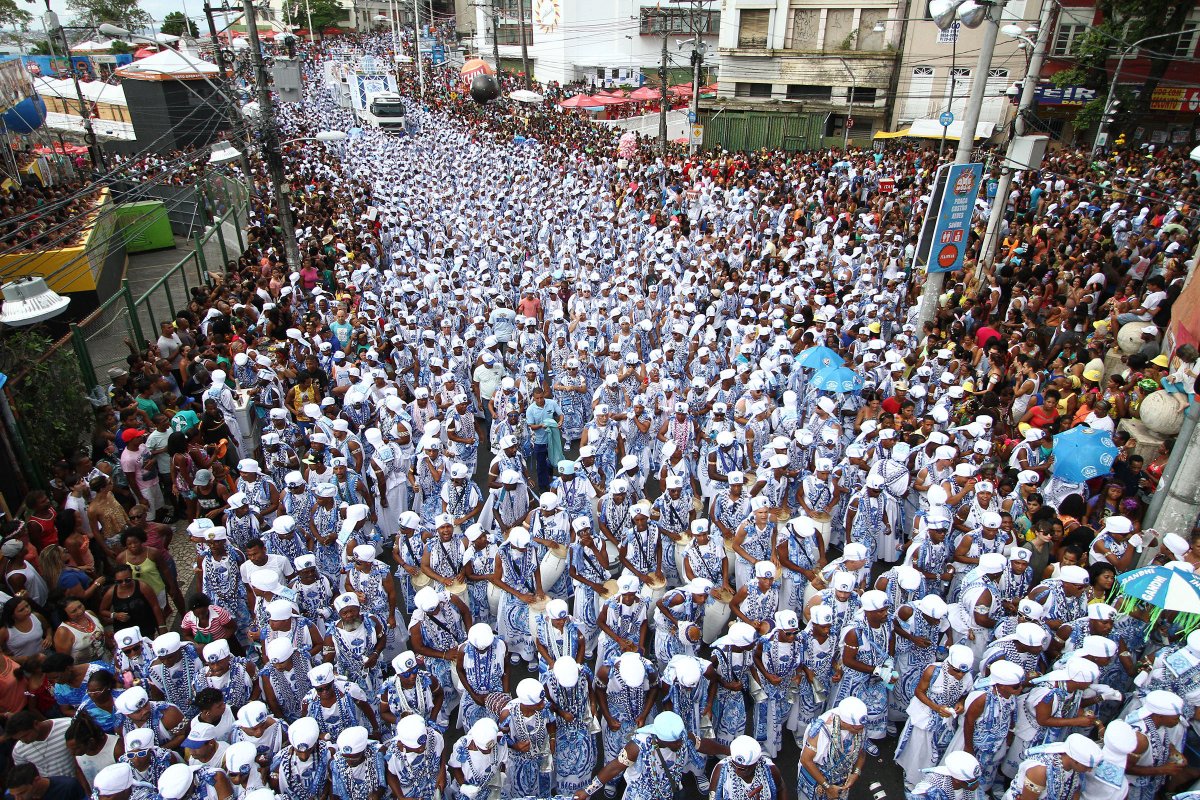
(932,129)
(892,134)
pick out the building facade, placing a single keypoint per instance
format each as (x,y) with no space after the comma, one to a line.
(606,44)
(805,56)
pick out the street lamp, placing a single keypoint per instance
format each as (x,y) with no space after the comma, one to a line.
(1109,103)
(971,14)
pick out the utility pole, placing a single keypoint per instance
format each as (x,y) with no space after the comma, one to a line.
(496,35)
(697,62)
(931,289)
(524,41)
(95,154)
(417,45)
(987,251)
(270,132)
(235,116)
(662,80)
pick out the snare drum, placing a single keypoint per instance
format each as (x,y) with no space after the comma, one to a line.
(716,614)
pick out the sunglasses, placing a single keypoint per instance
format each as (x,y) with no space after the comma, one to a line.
(122,581)
(326,688)
(139,753)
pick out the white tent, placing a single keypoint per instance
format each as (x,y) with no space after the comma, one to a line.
(89,46)
(168,65)
(93,91)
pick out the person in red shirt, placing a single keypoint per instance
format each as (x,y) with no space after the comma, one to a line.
(40,524)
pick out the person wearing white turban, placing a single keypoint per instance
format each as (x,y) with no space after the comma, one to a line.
(746,772)
(1154,723)
(1050,710)
(776,656)
(568,687)
(687,686)
(1108,780)
(990,711)
(867,664)
(956,779)
(528,720)
(832,755)
(1054,771)
(357,770)
(816,649)
(641,760)
(476,762)
(937,704)
(302,767)
(416,759)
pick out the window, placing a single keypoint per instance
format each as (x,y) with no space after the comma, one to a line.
(754,27)
(509,33)
(919,94)
(959,91)
(1185,44)
(806,24)
(950,35)
(1067,38)
(864,95)
(839,29)
(678,20)
(756,90)
(804,91)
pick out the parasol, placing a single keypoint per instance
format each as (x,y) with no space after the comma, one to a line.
(1083,453)
(840,380)
(820,357)
(525,96)
(1163,588)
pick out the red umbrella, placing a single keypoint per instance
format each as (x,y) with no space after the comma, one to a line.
(144,52)
(581,101)
(606,100)
(711,88)
(681,88)
(645,93)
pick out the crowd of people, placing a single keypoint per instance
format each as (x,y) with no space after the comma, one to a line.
(521,485)
(35,217)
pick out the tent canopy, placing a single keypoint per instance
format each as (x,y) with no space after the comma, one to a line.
(93,91)
(168,65)
(932,129)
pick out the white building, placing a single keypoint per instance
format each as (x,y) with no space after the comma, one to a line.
(610,44)
(937,68)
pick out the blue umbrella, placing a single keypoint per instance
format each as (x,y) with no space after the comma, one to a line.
(820,357)
(1163,588)
(840,380)
(1083,453)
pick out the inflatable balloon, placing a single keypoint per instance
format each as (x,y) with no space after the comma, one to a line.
(26,116)
(484,89)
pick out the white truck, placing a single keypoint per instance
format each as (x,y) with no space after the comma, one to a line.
(384,110)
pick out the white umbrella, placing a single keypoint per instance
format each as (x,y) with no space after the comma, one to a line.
(525,96)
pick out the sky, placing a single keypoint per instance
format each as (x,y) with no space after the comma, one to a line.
(157,9)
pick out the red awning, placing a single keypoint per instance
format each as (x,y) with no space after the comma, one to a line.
(582,101)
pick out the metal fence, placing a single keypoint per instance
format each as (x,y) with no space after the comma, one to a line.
(100,338)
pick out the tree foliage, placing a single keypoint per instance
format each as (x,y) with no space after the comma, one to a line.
(324,13)
(176,24)
(124,13)
(1124,22)
(50,401)
(13,16)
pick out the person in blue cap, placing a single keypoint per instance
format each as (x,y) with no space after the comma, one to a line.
(650,762)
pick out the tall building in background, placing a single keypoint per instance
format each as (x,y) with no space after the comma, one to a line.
(606,44)
(801,73)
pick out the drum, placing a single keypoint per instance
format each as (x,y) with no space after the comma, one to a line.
(685,541)
(657,586)
(716,614)
(494,593)
(824,526)
(458,587)
(553,565)
(610,589)
(536,609)
(420,581)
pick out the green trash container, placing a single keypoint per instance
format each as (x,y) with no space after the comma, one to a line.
(145,226)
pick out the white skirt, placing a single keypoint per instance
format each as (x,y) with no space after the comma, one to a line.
(917,754)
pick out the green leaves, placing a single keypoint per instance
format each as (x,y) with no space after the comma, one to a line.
(175,24)
(49,399)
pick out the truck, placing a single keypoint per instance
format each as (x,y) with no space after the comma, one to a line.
(384,110)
